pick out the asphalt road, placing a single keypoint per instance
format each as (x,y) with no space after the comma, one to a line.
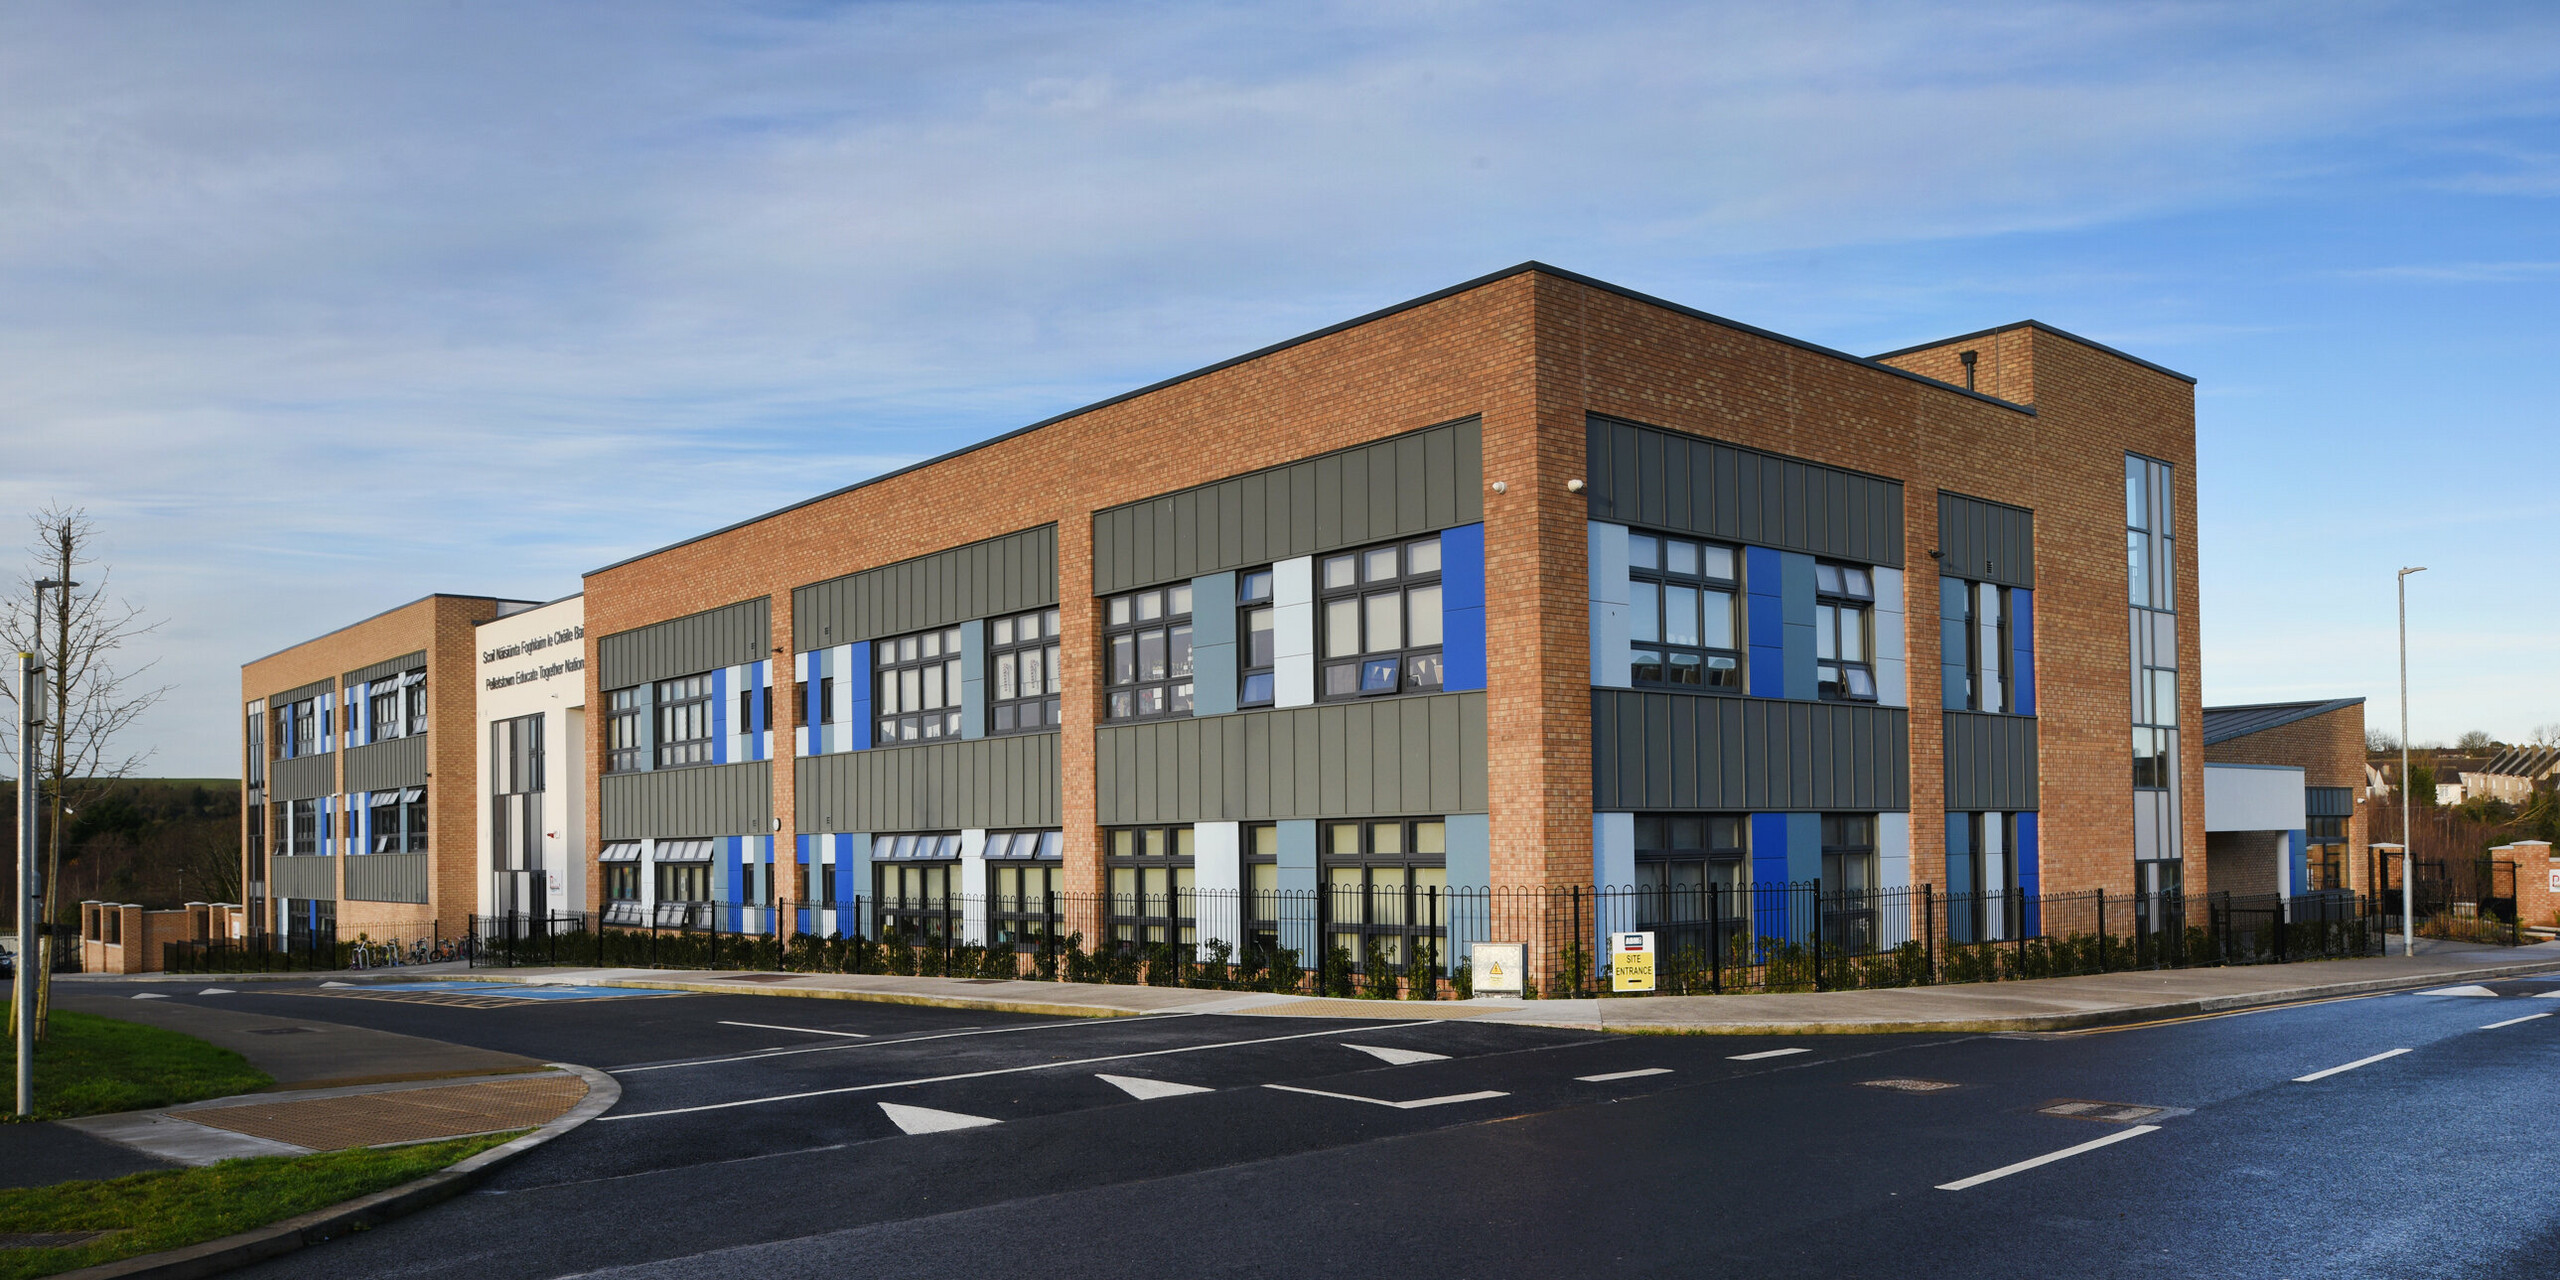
(928,1142)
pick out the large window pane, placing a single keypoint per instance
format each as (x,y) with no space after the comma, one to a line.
(1680,615)
(1386,622)
(1644,612)
(1341,628)
(1422,604)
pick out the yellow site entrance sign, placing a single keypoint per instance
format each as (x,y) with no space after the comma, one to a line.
(1631,961)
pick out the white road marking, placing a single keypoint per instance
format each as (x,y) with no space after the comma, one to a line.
(1765,1053)
(928,1120)
(1398,1057)
(1142,1088)
(2473,990)
(2546,995)
(1400,1106)
(2360,1062)
(2048,1158)
(2512,1021)
(150,995)
(806,1031)
(1624,1075)
(980,1075)
(337,984)
(878,1044)
(218,991)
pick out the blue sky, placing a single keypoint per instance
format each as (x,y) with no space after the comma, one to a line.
(319,308)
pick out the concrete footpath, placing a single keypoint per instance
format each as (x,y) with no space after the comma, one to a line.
(2046,1004)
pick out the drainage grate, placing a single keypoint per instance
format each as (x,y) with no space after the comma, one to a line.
(281,1031)
(1909,1086)
(2103,1112)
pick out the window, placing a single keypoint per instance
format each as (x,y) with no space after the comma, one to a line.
(256,732)
(751,702)
(413,689)
(1386,887)
(388,716)
(1146,643)
(1689,879)
(302,832)
(684,881)
(305,727)
(1022,663)
(1151,901)
(913,881)
(1261,913)
(1849,881)
(515,793)
(626,742)
(1260,649)
(400,820)
(1973,646)
(1024,884)
(256,837)
(413,819)
(1844,633)
(919,687)
(622,881)
(1680,613)
(1380,610)
(2328,852)
(683,720)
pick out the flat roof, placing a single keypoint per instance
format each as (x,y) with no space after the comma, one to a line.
(2222,724)
(1871,362)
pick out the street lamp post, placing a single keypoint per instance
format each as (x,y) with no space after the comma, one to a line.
(2408,864)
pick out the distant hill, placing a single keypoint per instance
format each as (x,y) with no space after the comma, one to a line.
(156,841)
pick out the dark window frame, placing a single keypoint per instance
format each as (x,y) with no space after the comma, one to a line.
(932,657)
(1362,907)
(1844,606)
(1022,888)
(1010,640)
(1657,661)
(1409,666)
(627,729)
(1152,873)
(1132,688)
(1257,681)
(683,723)
(915,892)
(1848,907)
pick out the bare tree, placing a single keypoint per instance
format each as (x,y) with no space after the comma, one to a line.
(2380,740)
(2547,735)
(2475,740)
(79,634)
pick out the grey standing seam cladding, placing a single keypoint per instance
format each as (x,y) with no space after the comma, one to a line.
(315,878)
(311,690)
(387,877)
(400,762)
(1413,483)
(707,800)
(725,637)
(999,575)
(1991,762)
(1986,541)
(303,777)
(2328,802)
(1649,476)
(944,786)
(1414,755)
(1691,751)
(388,667)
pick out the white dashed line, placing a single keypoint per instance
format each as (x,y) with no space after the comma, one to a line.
(2360,1062)
(1624,1075)
(806,1031)
(1765,1053)
(1400,1106)
(2048,1158)
(2512,1021)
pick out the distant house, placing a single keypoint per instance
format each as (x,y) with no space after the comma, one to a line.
(2511,775)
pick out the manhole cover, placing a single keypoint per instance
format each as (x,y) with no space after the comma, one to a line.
(2103,1112)
(1909,1086)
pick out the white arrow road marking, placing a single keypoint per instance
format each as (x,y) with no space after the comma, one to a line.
(2047,1158)
(1624,1075)
(2360,1062)
(337,984)
(2459,991)
(1765,1053)
(806,1031)
(2546,995)
(2512,1021)
(1140,1087)
(150,995)
(928,1120)
(218,991)
(1400,1106)
(1398,1057)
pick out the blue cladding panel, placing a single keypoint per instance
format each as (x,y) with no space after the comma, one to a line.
(2030,874)
(858,671)
(1764,623)
(2297,858)
(1769,868)
(2022,658)
(1462,643)
(1768,675)
(801,849)
(1795,582)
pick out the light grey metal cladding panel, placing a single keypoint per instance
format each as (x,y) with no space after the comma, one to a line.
(400,762)
(315,878)
(945,786)
(1685,751)
(387,877)
(388,667)
(1413,483)
(1986,541)
(980,580)
(303,777)
(1390,756)
(311,690)
(723,637)
(1991,762)
(709,800)
(1670,480)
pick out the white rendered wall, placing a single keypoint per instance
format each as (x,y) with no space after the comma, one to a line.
(544,664)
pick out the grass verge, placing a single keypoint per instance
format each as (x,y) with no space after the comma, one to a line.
(92,1066)
(149,1212)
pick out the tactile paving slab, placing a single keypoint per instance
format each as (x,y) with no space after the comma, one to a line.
(406,1115)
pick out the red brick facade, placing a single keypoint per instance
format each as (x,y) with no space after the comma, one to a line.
(2329,749)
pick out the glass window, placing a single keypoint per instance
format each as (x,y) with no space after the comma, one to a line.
(1380,613)
(1682,616)
(682,710)
(1025,886)
(1385,886)
(2137,493)
(1151,886)
(1147,635)
(1849,881)
(914,882)
(627,730)
(1259,652)
(1690,872)
(1844,633)
(919,687)
(1023,679)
